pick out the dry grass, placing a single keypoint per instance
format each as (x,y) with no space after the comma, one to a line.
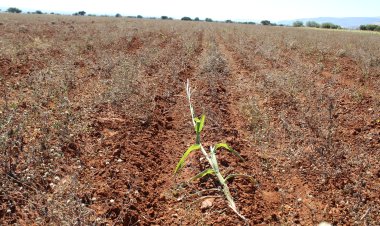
(85,99)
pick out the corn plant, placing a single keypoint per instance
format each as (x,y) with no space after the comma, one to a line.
(198,124)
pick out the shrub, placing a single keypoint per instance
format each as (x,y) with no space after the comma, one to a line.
(208,20)
(80,13)
(13,10)
(186,18)
(164,17)
(38,12)
(326,25)
(265,22)
(298,23)
(139,16)
(312,24)
(229,21)
(118,15)
(371,27)
(329,25)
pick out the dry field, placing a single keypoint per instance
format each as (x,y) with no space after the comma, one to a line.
(94,118)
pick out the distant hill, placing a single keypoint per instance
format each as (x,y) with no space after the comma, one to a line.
(346,22)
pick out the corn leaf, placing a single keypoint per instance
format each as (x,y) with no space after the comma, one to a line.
(250,178)
(228,148)
(202,174)
(196,123)
(184,156)
(199,123)
(202,123)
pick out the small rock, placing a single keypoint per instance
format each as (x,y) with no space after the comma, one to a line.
(207,203)
(180,198)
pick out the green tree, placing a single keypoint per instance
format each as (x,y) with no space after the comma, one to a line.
(229,21)
(371,27)
(208,20)
(38,12)
(186,18)
(13,10)
(312,24)
(118,15)
(139,16)
(298,23)
(196,19)
(164,17)
(265,22)
(81,13)
(329,25)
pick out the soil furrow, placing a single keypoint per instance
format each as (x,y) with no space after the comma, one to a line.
(139,154)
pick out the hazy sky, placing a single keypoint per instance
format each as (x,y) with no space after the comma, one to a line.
(216,9)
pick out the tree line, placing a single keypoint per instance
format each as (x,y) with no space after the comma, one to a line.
(370,27)
(327,25)
(314,24)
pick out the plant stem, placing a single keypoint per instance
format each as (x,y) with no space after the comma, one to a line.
(211,158)
(198,139)
(222,181)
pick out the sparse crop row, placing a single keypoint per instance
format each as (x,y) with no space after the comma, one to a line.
(45,107)
(304,88)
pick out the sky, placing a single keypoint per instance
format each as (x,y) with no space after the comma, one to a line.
(249,10)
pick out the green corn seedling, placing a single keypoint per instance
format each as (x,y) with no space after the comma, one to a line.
(198,124)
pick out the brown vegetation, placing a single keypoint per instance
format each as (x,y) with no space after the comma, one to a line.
(94,118)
